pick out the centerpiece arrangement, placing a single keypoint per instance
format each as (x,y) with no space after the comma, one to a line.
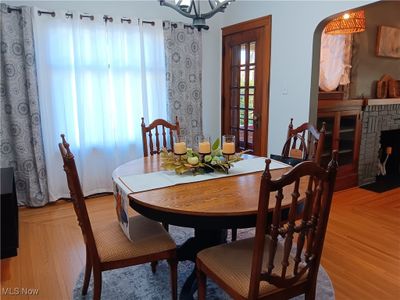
(208,158)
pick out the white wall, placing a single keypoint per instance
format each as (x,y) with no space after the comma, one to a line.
(211,83)
(293,25)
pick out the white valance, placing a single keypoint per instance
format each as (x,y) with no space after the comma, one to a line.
(335,61)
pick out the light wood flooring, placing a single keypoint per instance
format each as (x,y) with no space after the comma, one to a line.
(361,252)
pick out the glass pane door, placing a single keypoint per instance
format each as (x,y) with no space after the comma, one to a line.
(243,69)
(245,81)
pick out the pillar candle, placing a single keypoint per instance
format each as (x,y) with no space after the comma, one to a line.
(180,148)
(228,148)
(204,147)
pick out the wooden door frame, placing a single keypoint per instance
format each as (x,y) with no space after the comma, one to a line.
(265,24)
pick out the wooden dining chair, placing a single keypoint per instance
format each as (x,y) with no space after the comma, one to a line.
(304,142)
(107,247)
(283,258)
(151,135)
(153,143)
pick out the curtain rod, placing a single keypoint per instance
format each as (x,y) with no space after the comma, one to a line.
(91,17)
(11,9)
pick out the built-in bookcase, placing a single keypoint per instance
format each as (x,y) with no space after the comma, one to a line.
(342,123)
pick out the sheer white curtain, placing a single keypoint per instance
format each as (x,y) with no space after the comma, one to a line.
(96,79)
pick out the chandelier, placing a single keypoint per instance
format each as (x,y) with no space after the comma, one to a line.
(191,9)
(352,22)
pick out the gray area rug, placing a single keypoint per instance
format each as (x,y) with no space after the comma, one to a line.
(138,282)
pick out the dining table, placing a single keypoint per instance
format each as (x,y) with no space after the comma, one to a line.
(209,203)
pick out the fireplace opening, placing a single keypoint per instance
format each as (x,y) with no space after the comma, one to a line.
(388,175)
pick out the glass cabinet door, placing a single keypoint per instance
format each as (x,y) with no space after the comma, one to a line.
(343,134)
(346,139)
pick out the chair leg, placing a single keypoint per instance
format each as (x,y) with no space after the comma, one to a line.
(201,281)
(96,284)
(173,265)
(234,234)
(310,293)
(154,266)
(165,225)
(88,272)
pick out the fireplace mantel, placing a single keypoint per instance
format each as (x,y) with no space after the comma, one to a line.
(386,101)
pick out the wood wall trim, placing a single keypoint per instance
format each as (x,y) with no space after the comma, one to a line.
(246,25)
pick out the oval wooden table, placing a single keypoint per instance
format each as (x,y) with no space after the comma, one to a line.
(210,207)
(219,203)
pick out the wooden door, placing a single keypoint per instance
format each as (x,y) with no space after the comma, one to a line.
(245,83)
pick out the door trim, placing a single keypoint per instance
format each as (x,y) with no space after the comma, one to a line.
(265,24)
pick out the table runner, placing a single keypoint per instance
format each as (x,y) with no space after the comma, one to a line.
(145,182)
(125,185)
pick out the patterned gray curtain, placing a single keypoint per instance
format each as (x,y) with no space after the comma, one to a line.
(183,64)
(21,143)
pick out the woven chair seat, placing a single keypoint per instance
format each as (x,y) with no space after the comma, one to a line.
(148,237)
(232,264)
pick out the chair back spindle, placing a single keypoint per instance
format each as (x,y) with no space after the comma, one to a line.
(157,132)
(294,246)
(304,142)
(164,136)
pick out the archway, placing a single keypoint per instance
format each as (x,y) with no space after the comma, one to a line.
(343,116)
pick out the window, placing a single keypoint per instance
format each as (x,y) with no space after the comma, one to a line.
(96,80)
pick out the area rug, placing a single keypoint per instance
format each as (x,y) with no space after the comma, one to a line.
(138,282)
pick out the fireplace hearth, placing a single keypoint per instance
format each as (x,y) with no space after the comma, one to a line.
(389,154)
(380,135)
(388,170)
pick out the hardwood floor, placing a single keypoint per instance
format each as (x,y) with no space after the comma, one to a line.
(361,252)
(362,246)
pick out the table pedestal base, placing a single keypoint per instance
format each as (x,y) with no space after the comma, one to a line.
(187,251)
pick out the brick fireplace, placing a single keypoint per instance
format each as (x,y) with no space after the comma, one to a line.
(375,119)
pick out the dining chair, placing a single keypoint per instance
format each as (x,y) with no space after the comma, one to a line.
(304,142)
(283,258)
(151,136)
(152,142)
(107,247)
